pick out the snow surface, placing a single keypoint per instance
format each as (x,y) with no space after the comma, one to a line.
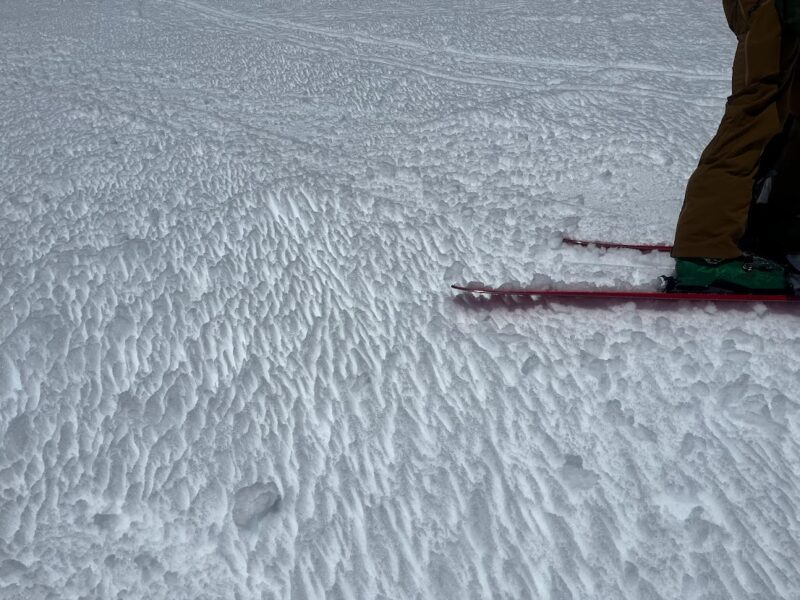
(230,362)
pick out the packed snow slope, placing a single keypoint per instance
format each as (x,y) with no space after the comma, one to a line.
(231,365)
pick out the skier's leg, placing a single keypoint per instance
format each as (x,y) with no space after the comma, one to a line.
(782,224)
(773,228)
(715,210)
(786,184)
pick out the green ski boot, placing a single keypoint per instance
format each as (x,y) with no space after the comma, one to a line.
(747,274)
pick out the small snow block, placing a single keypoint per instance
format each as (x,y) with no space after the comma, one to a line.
(253,502)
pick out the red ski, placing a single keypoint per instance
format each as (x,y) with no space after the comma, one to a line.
(618,246)
(610,294)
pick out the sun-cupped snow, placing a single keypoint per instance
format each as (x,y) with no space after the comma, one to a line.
(232,366)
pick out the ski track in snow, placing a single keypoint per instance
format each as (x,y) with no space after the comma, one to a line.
(230,363)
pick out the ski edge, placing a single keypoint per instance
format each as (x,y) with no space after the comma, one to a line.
(609,294)
(617,245)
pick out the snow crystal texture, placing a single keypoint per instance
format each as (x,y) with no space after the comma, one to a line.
(230,362)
